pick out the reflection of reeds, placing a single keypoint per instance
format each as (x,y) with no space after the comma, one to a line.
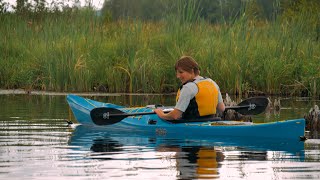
(75,53)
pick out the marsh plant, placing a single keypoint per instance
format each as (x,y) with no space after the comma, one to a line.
(82,50)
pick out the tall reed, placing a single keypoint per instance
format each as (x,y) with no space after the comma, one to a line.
(83,52)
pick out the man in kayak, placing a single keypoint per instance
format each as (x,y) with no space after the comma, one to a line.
(197,96)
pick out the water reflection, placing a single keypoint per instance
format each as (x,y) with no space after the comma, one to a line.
(195,161)
(35,143)
(106,145)
(188,158)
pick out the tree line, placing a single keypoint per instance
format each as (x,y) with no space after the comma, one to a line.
(214,11)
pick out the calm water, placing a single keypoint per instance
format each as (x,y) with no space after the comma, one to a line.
(36,143)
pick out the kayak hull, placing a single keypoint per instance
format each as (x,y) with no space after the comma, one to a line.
(152,124)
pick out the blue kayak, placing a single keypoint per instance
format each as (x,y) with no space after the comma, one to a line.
(143,120)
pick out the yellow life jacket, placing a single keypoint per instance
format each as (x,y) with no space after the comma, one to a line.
(205,101)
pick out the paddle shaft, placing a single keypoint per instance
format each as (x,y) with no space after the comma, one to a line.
(107,116)
(250,107)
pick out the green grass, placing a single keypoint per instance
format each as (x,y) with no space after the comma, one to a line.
(80,52)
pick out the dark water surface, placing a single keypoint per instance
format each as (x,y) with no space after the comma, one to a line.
(36,143)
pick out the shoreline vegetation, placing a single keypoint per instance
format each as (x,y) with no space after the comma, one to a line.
(80,50)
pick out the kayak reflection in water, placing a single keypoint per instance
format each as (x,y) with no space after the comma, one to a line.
(191,162)
(197,96)
(196,162)
(188,158)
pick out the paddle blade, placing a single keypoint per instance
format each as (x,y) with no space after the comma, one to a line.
(253,106)
(107,116)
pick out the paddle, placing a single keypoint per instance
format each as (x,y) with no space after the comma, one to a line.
(108,116)
(251,106)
